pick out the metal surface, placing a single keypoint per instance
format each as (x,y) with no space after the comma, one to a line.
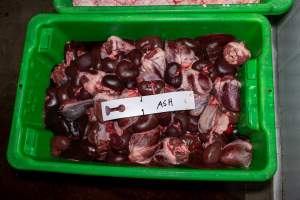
(277,179)
(288,60)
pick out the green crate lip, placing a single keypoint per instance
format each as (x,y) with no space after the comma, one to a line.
(20,161)
(274,7)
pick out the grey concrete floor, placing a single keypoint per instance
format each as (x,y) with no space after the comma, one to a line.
(14,16)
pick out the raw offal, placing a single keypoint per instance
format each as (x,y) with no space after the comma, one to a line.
(94,72)
(157,2)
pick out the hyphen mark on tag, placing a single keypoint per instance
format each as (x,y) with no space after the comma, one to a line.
(145,105)
(120,108)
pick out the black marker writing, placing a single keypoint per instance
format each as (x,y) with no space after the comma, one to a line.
(164,103)
(170,102)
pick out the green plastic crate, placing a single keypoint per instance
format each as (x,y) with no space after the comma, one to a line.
(266,7)
(29,144)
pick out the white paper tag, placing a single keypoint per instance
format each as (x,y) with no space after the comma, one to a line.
(145,105)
